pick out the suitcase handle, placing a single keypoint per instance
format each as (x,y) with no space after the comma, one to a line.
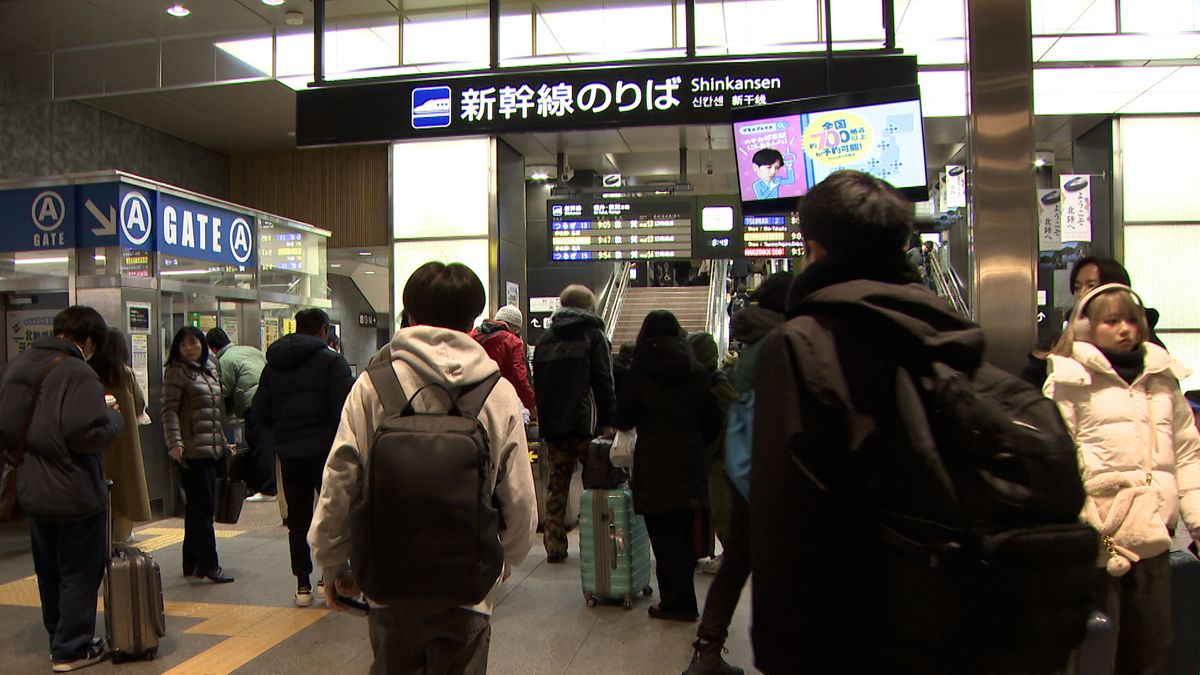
(617,540)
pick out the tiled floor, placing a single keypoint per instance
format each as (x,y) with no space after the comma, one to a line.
(541,624)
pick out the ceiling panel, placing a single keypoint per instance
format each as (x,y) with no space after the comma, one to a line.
(251,117)
(208,16)
(49,24)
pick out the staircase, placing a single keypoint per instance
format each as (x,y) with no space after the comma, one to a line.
(689,304)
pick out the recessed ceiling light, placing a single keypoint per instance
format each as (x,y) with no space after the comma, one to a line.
(364,253)
(273,3)
(539,175)
(369,272)
(335,264)
(178,9)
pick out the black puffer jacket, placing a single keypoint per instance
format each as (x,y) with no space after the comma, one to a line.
(572,373)
(62,476)
(667,397)
(300,395)
(193,410)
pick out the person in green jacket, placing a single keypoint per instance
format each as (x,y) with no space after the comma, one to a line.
(238,368)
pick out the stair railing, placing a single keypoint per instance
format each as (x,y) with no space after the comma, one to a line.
(613,297)
(718,305)
(946,283)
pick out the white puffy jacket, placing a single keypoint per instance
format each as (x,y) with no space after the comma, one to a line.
(1144,429)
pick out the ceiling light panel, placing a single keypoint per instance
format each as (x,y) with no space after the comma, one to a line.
(1085,81)
(1118,47)
(930,19)
(1151,16)
(1163,102)
(1057,17)
(943,93)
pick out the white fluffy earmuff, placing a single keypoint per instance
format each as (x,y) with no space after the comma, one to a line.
(1083,326)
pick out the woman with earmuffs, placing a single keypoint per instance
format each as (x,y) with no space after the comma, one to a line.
(1139,454)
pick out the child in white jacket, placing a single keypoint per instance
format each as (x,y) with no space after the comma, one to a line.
(1139,454)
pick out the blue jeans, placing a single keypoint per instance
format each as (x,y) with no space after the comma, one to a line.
(69,558)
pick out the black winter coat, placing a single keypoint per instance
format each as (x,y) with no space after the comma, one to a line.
(572,376)
(300,395)
(667,397)
(62,476)
(829,425)
(193,411)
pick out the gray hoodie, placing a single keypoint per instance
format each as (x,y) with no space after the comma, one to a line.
(421,355)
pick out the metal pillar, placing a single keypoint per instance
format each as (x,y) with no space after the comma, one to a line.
(1002,184)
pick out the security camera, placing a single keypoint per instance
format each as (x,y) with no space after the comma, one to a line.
(708,169)
(567,174)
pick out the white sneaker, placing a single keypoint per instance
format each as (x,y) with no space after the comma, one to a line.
(260,497)
(304,597)
(711,565)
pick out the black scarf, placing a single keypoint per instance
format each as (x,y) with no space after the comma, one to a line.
(1129,365)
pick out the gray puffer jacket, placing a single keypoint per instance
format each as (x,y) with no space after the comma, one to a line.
(193,410)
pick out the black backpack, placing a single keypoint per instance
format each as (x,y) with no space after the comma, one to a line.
(986,565)
(425,526)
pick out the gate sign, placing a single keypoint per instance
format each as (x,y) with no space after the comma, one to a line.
(112,211)
(201,231)
(37,218)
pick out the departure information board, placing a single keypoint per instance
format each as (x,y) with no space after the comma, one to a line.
(772,236)
(641,228)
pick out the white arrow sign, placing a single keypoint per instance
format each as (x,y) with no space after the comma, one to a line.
(108,226)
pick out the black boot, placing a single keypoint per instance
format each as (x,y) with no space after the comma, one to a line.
(707,660)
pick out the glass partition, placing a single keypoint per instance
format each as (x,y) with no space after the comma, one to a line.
(291,259)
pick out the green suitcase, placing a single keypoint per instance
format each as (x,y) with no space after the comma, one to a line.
(614,547)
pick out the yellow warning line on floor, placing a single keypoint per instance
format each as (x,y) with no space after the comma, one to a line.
(250,630)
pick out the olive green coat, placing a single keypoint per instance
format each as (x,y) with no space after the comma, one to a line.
(123,459)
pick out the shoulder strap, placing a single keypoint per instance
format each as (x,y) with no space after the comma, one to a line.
(387,386)
(19,453)
(470,399)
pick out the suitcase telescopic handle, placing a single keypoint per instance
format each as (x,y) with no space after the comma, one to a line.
(616,540)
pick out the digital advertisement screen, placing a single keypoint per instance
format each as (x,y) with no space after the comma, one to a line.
(789,147)
(636,228)
(772,236)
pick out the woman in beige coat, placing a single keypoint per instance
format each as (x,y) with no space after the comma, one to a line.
(123,460)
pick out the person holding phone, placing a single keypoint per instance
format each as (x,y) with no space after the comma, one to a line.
(192,417)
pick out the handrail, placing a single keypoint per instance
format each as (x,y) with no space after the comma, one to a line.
(947,284)
(614,298)
(718,304)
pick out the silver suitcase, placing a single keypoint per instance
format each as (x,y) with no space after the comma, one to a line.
(133,605)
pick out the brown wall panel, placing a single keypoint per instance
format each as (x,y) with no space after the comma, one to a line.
(344,190)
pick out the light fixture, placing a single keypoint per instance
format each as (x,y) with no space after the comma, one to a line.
(369,272)
(364,253)
(273,3)
(181,273)
(335,265)
(294,18)
(178,10)
(40,261)
(1039,162)
(539,175)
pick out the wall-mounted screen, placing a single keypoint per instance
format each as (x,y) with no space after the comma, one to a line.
(783,149)
(634,228)
(774,235)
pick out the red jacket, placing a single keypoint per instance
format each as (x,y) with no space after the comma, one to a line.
(507,349)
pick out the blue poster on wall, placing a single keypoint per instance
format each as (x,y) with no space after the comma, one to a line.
(190,229)
(33,219)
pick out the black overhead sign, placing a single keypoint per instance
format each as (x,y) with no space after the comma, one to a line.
(507,101)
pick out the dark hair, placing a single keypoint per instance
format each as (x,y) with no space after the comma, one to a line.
(851,213)
(767,157)
(310,321)
(660,323)
(446,296)
(217,338)
(333,342)
(405,319)
(773,291)
(110,360)
(1111,271)
(174,354)
(79,322)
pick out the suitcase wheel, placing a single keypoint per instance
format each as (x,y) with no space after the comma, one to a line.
(628,603)
(591,600)
(647,591)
